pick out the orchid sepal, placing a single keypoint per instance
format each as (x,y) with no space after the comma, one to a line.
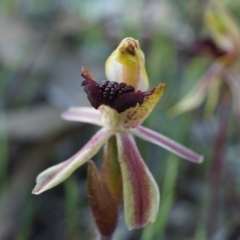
(111,171)
(197,94)
(103,204)
(60,172)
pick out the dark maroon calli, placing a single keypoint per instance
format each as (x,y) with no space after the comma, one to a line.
(118,96)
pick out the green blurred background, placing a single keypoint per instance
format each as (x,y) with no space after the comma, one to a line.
(43,45)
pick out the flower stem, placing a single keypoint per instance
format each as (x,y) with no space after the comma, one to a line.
(106,237)
(216,168)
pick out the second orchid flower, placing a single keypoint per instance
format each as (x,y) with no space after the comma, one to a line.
(223,48)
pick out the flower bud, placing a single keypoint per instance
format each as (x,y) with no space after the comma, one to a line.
(126,64)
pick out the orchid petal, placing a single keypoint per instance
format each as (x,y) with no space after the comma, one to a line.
(83,114)
(196,96)
(234,83)
(140,191)
(111,170)
(167,143)
(133,116)
(103,204)
(213,93)
(60,172)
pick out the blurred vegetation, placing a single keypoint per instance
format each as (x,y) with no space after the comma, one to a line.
(43,45)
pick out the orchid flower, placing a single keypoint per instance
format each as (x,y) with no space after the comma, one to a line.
(223,48)
(121,104)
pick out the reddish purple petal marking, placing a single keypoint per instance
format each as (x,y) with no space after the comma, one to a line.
(167,143)
(140,191)
(83,114)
